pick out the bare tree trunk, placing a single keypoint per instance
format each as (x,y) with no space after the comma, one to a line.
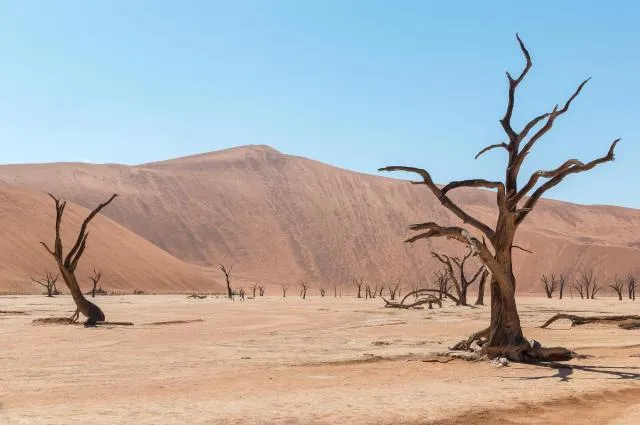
(481,284)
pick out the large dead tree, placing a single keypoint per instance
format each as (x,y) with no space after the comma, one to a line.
(227,277)
(67,264)
(618,286)
(514,204)
(550,284)
(458,277)
(48,282)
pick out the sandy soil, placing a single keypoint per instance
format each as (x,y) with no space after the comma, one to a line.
(318,361)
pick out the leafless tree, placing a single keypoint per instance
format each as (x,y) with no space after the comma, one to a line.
(241,294)
(481,286)
(322,291)
(442,283)
(261,289)
(254,288)
(68,264)
(304,285)
(505,336)
(631,286)
(550,284)
(618,285)
(393,289)
(561,283)
(358,284)
(579,286)
(227,277)
(284,287)
(458,277)
(95,278)
(48,282)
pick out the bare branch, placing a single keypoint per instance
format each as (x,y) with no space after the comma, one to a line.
(488,148)
(445,200)
(471,183)
(546,174)
(521,248)
(575,168)
(513,84)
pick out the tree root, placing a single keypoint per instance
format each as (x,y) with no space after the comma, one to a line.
(631,321)
(476,348)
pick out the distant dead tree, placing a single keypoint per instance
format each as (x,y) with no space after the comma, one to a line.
(458,277)
(304,286)
(227,277)
(587,285)
(514,204)
(48,282)
(358,284)
(481,285)
(241,294)
(254,288)
(579,286)
(393,289)
(618,285)
(561,283)
(261,289)
(322,291)
(370,292)
(631,286)
(95,278)
(419,300)
(335,290)
(550,284)
(68,264)
(442,283)
(284,287)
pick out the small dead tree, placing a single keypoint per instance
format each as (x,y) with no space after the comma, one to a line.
(95,278)
(48,282)
(481,285)
(550,284)
(514,204)
(254,288)
(393,289)
(458,277)
(358,284)
(561,283)
(261,289)
(442,283)
(284,287)
(68,264)
(322,291)
(304,286)
(631,286)
(242,294)
(618,286)
(579,286)
(227,277)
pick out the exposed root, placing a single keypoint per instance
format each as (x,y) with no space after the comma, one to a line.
(175,322)
(580,320)
(479,337)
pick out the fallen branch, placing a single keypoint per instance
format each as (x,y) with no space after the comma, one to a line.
(580,320)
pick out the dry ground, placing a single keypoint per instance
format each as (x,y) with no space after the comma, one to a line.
(318,361)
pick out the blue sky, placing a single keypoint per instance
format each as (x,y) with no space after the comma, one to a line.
(357,84)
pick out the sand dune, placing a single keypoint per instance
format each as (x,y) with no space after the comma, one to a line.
(128,261)
(280,218)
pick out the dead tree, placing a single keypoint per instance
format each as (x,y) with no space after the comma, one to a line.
(284,287)
(261,289)
(68,264)
(631,286)
(481,285)
(420,299)
(514,204)
(304,285)
(242,294)
(254,288)
(561,283)
(587,285)
(618,286)
(443,283)
(358,284)
(579,286)
(227,277)
(95,278)
(393,290)
(48,282)
(550,284)
(335,290)
(458,276)
(322,291)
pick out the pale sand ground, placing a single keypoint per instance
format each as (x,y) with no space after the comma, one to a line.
(274,361)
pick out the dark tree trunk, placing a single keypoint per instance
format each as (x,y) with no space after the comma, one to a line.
(483,280)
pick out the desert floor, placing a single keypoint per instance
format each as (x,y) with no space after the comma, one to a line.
(315,361)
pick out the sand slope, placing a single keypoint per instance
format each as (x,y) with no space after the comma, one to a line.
(128,261)
(281,218)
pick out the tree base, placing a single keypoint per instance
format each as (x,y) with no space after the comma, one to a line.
(477,347)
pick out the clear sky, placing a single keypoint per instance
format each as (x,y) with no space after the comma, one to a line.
(357,84)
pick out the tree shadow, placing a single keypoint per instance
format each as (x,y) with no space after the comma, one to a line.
(565,371)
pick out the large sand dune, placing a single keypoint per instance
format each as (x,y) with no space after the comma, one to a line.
(281,218)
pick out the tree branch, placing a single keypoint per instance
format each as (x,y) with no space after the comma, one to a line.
(488,148)
(546,174)
(444,200)
(471,183)
(575,168)
(513,84)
